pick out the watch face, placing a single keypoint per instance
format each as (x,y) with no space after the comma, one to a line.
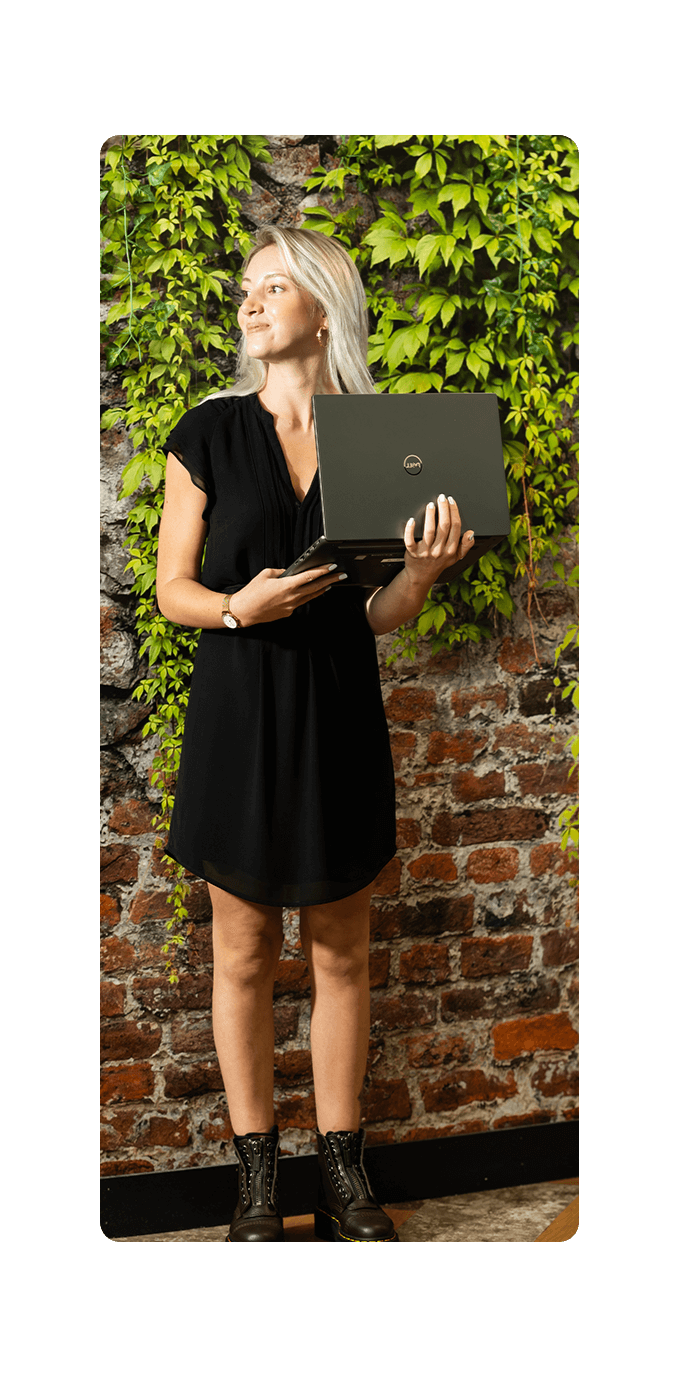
(230,621)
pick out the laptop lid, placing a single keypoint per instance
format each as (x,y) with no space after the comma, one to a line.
(382,458)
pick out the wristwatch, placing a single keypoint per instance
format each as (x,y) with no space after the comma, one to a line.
(228,617)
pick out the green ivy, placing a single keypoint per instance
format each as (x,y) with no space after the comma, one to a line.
(470,267)
(173,240)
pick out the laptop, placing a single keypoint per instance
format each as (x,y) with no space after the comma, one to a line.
(382,458)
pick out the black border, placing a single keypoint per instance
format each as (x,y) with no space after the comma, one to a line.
(173,1201)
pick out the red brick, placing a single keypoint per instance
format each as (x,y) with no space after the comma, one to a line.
(297,1111)
(516,736)
(285,1021)
(198,902)
(189,1081)
(538,780)
(465,1086)
(462,748)
(560,948)
(408,832)
(388,880)
(501,824)
(133,817)
(464,701)
(524,1120)
(445,662)
(552,1079)
(464,1003)
(127,1041)
(193,1035)
(380,961)
(427,917)
(427,1133)
(488,955)
(410,704)
(550,858)
(216,1126)
(471,788)
(293,1067)
(379,1137)
(292,977)
(407,1010)
(119,864)
(109,910)
(150,906)
(125,1167)
(425,964)
(384,1099)
(430,1049)
(112,999)
(571,1113)
(516,656)
(402,746)
(165,1132)
(118,1126)
(550,1032)
(427,780)
(433,868)
(117,954)
(127,1082)
(156,995)
(493,866)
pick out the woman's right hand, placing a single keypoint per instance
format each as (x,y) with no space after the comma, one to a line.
(268,597)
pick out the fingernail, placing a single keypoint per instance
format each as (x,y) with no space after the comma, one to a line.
(332,566)
(441,497)
(451,501)
(431,506)
(342,575)
(471,536)
(411,521)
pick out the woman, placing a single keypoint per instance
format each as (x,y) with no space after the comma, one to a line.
(285,795)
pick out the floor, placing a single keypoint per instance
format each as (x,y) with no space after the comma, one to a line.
(547,1212)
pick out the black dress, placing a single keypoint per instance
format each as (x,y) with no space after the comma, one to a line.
(285,793)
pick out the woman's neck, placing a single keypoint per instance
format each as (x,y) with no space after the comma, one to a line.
(289,388)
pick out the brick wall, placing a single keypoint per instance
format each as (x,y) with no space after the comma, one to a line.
(474,935)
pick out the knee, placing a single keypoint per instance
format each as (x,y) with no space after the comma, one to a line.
(246,958)
(249,963)
(341,964)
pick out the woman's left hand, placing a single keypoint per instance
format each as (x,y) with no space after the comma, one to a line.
(441,545)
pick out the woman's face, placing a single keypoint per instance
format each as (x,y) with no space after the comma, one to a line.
(279,319)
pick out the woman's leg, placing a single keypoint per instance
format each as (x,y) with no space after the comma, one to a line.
(335,939)
(247,940)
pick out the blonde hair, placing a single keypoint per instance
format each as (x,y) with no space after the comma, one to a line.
(323,268)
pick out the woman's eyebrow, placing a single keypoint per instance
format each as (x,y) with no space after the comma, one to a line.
(267,275)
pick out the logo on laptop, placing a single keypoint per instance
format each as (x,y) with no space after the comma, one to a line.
(413,464)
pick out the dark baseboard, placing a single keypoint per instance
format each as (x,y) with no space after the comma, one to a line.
(172,1201)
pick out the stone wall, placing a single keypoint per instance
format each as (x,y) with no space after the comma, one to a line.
(474,937)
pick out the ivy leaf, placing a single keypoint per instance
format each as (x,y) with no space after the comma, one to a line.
(423,165)
(388,243)
(543,238)
(387,140)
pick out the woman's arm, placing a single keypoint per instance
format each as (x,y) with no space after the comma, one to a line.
(439,547)
(181,596)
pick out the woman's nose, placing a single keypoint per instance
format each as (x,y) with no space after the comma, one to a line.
(252,305)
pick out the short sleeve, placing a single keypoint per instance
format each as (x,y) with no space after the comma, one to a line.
(190,441)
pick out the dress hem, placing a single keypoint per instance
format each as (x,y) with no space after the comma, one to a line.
(284,903)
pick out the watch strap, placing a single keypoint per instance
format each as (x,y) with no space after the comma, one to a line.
(226,612)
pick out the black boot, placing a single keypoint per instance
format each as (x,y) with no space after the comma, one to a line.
(347,1210)
(256,1217)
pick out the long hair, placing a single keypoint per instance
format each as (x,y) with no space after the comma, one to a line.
(323,268)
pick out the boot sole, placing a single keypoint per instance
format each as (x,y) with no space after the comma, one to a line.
(328,1229)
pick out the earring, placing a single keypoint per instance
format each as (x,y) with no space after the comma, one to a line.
(319,335)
